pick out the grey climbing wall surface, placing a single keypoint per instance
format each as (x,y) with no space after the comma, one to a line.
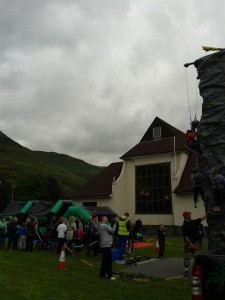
(211,129)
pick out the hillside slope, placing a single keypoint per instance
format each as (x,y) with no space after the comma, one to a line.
(17,161)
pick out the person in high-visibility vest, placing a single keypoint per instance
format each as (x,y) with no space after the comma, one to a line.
(123,234)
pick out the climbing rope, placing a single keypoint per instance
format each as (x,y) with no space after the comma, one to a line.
(196,98)
(189,107)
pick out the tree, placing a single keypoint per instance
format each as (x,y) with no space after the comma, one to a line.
(38,187)
(5,194)
(32,187)
(54,188)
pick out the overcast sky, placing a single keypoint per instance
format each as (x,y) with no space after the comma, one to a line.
(87,78)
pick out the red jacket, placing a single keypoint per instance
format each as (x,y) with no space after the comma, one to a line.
(190,137)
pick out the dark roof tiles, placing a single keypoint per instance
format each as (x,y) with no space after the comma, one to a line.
(101,184)
(166,143)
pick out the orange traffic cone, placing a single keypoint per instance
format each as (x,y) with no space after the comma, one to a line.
(157,246)
(61,263)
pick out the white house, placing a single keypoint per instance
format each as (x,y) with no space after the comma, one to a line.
(151,183)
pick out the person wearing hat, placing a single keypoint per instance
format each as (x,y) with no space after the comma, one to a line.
(190,234)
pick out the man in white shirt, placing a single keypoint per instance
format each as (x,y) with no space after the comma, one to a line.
(61,229)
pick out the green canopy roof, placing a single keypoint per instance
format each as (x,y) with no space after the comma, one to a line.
(56,207)
(76,211)
(26,207)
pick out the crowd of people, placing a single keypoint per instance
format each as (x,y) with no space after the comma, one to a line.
(100,237)
(19,237)
(97,236)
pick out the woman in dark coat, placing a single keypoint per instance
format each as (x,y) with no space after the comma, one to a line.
(11,234)
(31,234)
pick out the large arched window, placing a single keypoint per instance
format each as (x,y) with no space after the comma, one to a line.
(153,189)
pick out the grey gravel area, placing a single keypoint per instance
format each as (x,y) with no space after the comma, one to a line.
(168,267)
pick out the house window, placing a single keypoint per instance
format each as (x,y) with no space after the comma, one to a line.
(153,189)
(156,132)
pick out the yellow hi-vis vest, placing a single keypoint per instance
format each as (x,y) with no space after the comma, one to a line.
(122,230)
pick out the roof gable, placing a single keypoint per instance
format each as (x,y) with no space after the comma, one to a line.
(166,131)
(149,145)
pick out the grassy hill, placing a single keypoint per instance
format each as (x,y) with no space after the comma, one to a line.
(17,161)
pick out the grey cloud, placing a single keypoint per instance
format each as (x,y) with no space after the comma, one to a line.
(87,78)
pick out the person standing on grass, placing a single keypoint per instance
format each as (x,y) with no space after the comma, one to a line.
(33,218)
(115,235)
(190,234)
(3,230)
(61,229)
(106,240)
(79,238)
(123,234)
(161,239)
(71,229)
(138,226)
(131,239)
(53,233)
(94,237)
(31,231)
(22,237)
(11,234)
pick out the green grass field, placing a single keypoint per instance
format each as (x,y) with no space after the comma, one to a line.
(35,275)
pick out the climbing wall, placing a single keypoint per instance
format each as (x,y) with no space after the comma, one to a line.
(211,129)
